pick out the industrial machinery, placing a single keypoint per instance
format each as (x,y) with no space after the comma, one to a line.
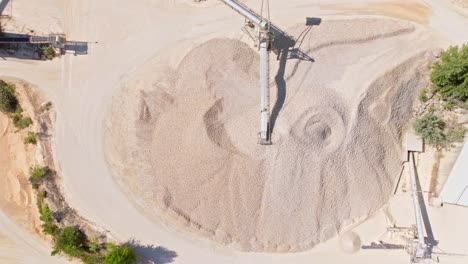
(57,41)
(263,37)
(421,249)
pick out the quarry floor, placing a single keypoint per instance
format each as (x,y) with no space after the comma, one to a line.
(128,36)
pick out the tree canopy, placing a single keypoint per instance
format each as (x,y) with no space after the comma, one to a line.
(450,74)
(431,128)
(71,241)
(120,255)
(8,101)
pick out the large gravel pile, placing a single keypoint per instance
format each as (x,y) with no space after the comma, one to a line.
(184,146)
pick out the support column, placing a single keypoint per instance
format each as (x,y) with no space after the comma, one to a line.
(421,248)
(264,95)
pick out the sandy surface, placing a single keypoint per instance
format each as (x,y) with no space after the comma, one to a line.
(18,211)
(19,247)
(169,30)
(187,144)
(16,195)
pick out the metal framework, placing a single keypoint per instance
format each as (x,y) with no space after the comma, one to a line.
(421,250)
(264,44)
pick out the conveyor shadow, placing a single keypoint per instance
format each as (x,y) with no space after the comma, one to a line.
(287,47)
(430,240)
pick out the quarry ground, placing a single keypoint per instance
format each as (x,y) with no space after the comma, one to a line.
(139,33)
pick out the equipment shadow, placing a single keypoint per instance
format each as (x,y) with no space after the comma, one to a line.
(430,239)
(287,47)
(3,5)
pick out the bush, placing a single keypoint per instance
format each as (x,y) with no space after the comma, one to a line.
(40,198)
(120,255)
(46,52)
(37,174)
(48,225)
(448,105)
(45,215)
(21,122)
(92,258)
(456,133)
(8,100)
(423,96)
(71,241)
(30,138)
(450,74)
(431,128)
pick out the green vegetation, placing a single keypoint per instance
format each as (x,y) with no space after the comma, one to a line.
(120,255)
(92,258)
(431,128)
(449,89)
(46,52)
(423,96)
(71,241)
(9,105)
(46,216)
(456,133)
(37,174)
(8,100)
(30,138)
(448,105)
(21,122)
(450,74)
(437,132)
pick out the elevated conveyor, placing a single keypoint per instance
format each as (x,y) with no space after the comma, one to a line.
(264,44)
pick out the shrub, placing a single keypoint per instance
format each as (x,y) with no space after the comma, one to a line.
(456,133)
(21,122)
(8,100)
(71,241)
(92,258)
(46,215)
(448,105)
(46,52)
(431,128)
(120,255)
(30,138)
(48,225)
(37,174)
(450,74)
(423,96)
(40,198)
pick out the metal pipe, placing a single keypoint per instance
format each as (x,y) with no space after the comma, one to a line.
(264,94)
(248,14)
(421,249)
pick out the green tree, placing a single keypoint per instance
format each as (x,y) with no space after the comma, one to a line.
(30,138)
(450,74)
(431,128)
(48,225)
(8,100)
(120,255)
(20,121)
(71,241)
(37,174)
